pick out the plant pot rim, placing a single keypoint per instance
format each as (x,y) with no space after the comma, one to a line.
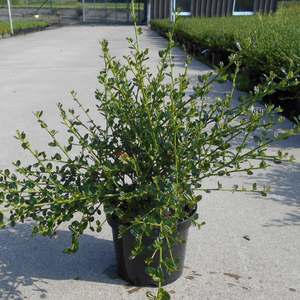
(181,225)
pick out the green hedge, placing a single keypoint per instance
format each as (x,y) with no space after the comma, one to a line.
(5,28)
(29,24)
(277,36)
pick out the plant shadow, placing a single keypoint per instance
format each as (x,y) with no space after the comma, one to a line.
(26,261)
(283,200)
(285,189)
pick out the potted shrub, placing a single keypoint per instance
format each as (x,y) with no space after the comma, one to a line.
(143,168)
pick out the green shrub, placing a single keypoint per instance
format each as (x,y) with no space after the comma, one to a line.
(160,23)
(277,36)
(277,45)
(19,25)
(29,24)
(79,9)
(4,28)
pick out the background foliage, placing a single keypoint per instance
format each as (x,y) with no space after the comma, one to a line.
(277,36)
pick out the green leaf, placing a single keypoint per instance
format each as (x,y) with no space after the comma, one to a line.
(161,53)
(132,256)
(52,144)
(150,296)
(149,260)
(150,271)
(223,79)
(72,228)
(263,165)
(25,145)
(169,263)
(44,125)
(57,156)
(1,219)
(198,197)
(91,210)
(39,113)
(134,232)
(257,139)
(23,135)
(159,272)
(181,240)
(67,251)
(201,78)
(165,295)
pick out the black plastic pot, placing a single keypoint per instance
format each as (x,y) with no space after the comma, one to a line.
(133,271)
(217,57)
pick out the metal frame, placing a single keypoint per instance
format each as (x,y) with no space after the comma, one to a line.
(183,13)
(242,13)
(209,8)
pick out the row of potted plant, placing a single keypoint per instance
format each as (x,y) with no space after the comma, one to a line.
(28,24)
(143,167)
(276,38)
(276,35)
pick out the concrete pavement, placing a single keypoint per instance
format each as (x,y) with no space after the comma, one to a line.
(39,70)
